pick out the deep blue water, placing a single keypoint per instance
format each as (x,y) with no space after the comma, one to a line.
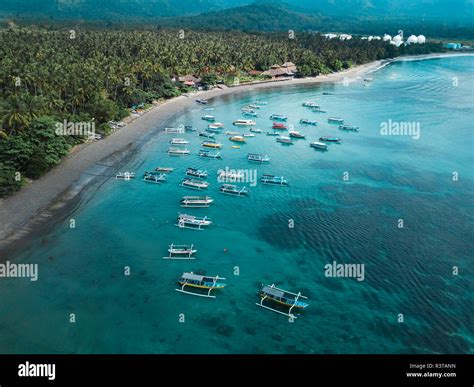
(407,270)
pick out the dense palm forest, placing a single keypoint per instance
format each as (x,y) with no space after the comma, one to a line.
(47,76)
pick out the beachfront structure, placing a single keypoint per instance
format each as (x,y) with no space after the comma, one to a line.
(286,70)
(190,80)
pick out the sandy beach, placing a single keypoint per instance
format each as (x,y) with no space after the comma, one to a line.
(47,199)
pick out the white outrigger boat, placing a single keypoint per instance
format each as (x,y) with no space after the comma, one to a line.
(202,101)
(125,175)
(231,133)
(196,201)
(194,184)
(240,139)
(190,128)
(199,173)
(319,145)
(335,120)
(273,180)
(244,123)
(249,134)
(207,135)
(216,125)
(258,158)
(174,130)
(349,128)
(181,252)
(278,117)
(282,298)
(230,189)
(285,140)
(250,114)
(209,155)
(306,121)
(153,177)
(255,130)
(310,104)
(193,222)
(208,118)
(200,283)
(273,133)
(178,152)
(164,169)
(179,141)
(295,134)
(336,140)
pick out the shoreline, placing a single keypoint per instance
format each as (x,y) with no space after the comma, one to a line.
(49,199)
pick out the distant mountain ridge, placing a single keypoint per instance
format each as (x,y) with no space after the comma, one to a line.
(447,10)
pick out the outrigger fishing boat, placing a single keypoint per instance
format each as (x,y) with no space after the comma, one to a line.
(190,128)
(330,139)
(278,117)
(199,173)
(284,140)
(216,125)
(261,103)
(196,201)
(350,128)
(200,282)
(125,175)
(237,139)
(305,121)
(194,184)
(295,134)
(208,118)
(213,130)
(209,144)
(230,189)
(202,101)
(151,177)
(279,126)
(335,120)
(273,133)
(164,169)
(178,152)
(283,298)
(273,180)
(254,106)
(193,222)
(319,145)
(174,130)
(209,155)
(244,123)
(250,114)
(179,141)
(258,158)
(310,104)
(181,252)
(254,130)
(207,135)
(249,135)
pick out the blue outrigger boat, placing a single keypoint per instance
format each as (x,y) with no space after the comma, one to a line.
(282,298)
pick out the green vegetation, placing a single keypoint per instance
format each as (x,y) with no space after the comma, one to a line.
(48,76)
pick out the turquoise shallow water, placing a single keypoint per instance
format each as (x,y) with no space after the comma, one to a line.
(407,270)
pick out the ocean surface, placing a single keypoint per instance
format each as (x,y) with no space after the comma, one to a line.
(345,205)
